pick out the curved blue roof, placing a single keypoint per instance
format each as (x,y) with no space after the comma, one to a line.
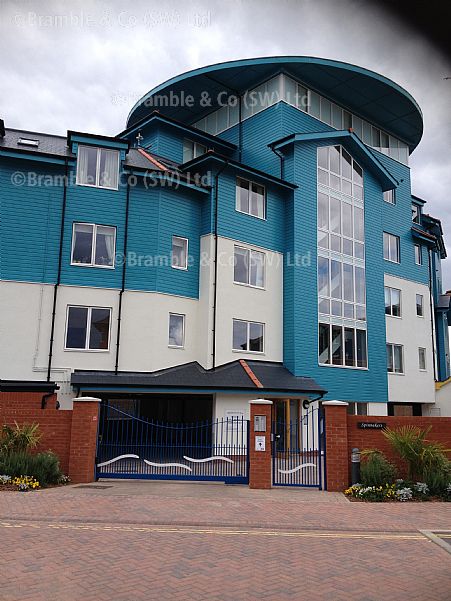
(368,94)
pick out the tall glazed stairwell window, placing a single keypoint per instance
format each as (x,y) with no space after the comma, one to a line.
(342,338)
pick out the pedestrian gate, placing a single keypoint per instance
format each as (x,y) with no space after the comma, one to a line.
(135,447)
(298,450)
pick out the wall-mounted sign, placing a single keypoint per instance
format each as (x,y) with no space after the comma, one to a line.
(260,443)
(371,425)
(260,423)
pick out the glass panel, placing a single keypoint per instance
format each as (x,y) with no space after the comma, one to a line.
(324,343)
(335,279)
(359,233)
(241,265)
(387,301)
(386,246)
(334,181)
(347,247)
(397,359)
(210,123)
(394,153)
(419,303)
(105,238)
(335,243)
(403,153)
(336,308)
(348,282)
(77,318)
(323,211)
(346,164)
(334,157)
(188,150)
(256,337)
(87,165)
(361,348)
(335,220)
(346,187)
(337,346)
(357,126)
(336,116)
(324,306)
(347,120)
(323,177)
(422,358)
(240,335)
(359,285)
(302,98)
(390,357)
(82,250)
(222,118)
(100,329)
(109,168)
(376,138)
(415,213)
(234,114)
(323,276)
(348,311)
(325,111)
(314,104)
(257,275)
(358,191)
(418,257)
(357,173)
(257,202)
(349,347)
(179,252)
(359,250)
(384,142)
(396,302)
(242,195)
(347,219)
(290,90)
(176,329)
(360,313)
(389,196)
(323,157)
(366,133)
(323,239)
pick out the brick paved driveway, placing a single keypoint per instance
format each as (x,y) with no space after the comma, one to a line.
(173,541)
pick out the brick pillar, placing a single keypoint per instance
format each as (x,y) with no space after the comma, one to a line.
(336,424)
(260,460)
(83,439)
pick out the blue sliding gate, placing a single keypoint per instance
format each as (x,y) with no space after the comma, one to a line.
(298,450)
(134,447)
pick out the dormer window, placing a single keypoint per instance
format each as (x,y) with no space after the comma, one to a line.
(416,213)
(98,167)
(192,150)
(28,142)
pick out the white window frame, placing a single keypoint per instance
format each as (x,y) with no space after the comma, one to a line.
(250,182)
(99,152)
(422,305)
(183,316)
(417,218)
(88,330)
(398,247)
(250,251)
(392,348)
(418,254)
(389,197)
(194,148)
(422,352)
(93,246)
(185,267)
(390,288)
(343,326)
(238,350)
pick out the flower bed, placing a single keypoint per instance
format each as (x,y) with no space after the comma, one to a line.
(399,491)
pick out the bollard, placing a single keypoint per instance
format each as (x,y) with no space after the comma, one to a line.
(355,466)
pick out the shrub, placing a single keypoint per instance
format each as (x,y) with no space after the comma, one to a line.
(375,469)
(19,438)
(44,467)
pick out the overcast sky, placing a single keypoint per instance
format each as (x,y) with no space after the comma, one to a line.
(82,65)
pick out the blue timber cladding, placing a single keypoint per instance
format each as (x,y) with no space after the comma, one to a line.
(30,221)
(163,141)
(269,232)
(397,220)
(300,288)
(87,204)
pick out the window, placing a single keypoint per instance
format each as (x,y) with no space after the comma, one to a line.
(249,267)
(422,359)
(416,213)
(192,150)
(88,328)
(391,248)
(248,336)
(419,303)
(418,255)
(392,302)
(250,198)
(357,408)
(395,358)
(389,196)
(176,330)
(93,245)
(341,289)
(179,258)
(98,167)
(342,346)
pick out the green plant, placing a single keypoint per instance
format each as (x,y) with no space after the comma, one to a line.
(375,469)
(44,467)
(16,439)
(14,464)
(423,458)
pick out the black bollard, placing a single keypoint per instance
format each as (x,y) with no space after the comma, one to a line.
(355,466)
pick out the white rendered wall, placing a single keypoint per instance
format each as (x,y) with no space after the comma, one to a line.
(414,386)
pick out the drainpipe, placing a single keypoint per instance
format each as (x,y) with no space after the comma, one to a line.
(431,305)
(60,263)
(124,270)
(240,130)
(282,159)
(215,277)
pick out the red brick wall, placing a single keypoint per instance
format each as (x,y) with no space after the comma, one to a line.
(260,461)
(54,424)
(336,447)
(374,439)
(83,441)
